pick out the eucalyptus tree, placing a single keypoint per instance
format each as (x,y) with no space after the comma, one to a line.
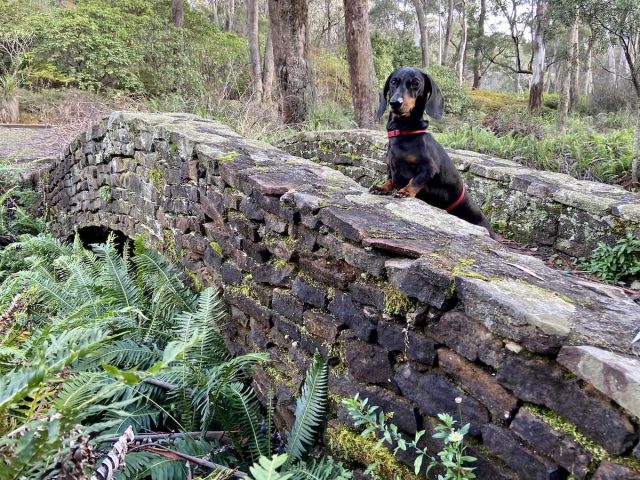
(289,33)
(620,21)
(361,72)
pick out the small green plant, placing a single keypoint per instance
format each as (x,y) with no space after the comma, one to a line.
(616,263)
(451,459)
(104,193)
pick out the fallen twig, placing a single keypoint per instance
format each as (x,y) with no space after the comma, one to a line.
(212,435)
(115,458)
(174,455)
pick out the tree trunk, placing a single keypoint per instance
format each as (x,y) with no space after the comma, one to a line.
(440,32)
(574,64)
(463,43)
(267,69)
(361,73)
(611,61)
(539,55)
(588,74)
(254,47)
(214,12)
(177,13)
(230,13)
(477,48)
(288,20)
(449,31)
(563,107)
(424,35)
(636,147)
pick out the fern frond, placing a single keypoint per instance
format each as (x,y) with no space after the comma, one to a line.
(169,294)
(310,409)
(323,469)
(243,415)
(267,468)
(126,354)
(116,278)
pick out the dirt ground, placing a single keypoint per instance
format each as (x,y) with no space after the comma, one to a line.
(24,144)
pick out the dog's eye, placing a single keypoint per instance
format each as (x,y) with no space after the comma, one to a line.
(394,82)
(415,83)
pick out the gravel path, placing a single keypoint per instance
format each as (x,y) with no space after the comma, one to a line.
(22,144)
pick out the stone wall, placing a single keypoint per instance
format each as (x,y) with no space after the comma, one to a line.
(546,209)
(412,307)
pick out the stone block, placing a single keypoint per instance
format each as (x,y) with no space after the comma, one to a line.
(287,305)
(542,383)
(322,326)
(613,471)
(478,383)
(310,293)
(368,363)
(467,337)
(343,308)
(433,395)
(528,464)
(614,374)
(561,448)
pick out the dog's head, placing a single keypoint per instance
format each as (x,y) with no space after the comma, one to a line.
(409,88)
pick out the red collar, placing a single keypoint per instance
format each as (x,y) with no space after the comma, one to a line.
(459,200)
(399,133)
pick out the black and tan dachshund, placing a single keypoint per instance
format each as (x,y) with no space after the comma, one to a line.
(417,165)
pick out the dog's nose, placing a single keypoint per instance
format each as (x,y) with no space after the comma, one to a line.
(396,103)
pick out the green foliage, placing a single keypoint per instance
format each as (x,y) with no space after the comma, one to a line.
(618,262)
(97,45)
(455,99)
(584,154)
(310,409)
(487,101)
(450,460)
(390,53)
(99,328)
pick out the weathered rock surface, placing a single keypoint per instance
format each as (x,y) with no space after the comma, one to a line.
(409,305)
(615,375)
(543,208)
(561,448)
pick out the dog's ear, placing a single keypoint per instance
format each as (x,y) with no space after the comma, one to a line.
(383,98)
(434,105)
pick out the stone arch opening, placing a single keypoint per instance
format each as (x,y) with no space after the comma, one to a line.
(97,234)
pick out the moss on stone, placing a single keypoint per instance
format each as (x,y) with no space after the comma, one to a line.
(228,157)
(597,452)
(169,244)
(395,302)
(348,445)
(197,284)
(104,193)
(216,247)
(157,178)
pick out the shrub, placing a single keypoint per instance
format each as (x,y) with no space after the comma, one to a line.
(331,72)
(488,101)
(455,100)
(515,122)
(618,262)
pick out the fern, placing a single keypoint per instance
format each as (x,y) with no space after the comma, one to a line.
(310,409)
(244,415)
(267,468)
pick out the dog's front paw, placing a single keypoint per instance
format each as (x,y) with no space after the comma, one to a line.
(402,194)
(377,190)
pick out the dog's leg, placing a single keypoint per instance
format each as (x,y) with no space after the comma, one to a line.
(417,183)
(410,190)
(385,189)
